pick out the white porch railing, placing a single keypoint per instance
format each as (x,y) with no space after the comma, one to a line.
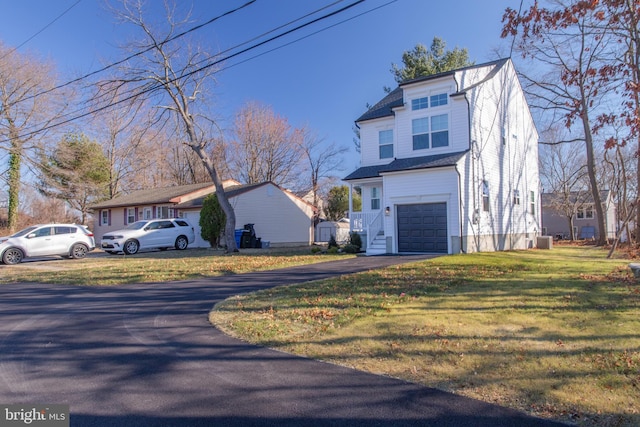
(360,220)
(374,228)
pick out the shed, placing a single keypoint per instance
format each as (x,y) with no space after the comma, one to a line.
(338,229)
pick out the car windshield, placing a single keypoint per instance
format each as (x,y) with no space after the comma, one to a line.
(136,225)
(24,232)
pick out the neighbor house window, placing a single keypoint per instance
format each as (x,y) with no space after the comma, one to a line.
(385,139)
(485,196)
(419,103)
(147,213)
(439,99)
(131,215)
(532,202)
(588,212)
(516,197)
(420,131)
(375,199)
(104,217)
(164,212)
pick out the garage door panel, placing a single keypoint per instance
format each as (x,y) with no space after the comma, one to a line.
(422,228)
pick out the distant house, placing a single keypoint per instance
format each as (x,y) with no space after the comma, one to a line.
(560,211)
(449,165)
(279,217)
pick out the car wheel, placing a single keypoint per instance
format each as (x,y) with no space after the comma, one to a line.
(12,256)
(131,247)
(181,243)
(78,251)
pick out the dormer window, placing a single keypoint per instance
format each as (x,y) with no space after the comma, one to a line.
(429,101)
(439,99)
(420,103)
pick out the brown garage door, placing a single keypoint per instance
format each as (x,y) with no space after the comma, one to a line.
(422,228)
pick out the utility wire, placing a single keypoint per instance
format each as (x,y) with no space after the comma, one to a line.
(105,68)
(209,65)
(41,30)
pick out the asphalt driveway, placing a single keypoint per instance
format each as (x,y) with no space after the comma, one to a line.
(146,355)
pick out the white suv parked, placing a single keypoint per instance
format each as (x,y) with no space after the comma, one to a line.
(71,240)
(149,234)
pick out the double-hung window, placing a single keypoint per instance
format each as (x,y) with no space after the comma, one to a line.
(375,198)
(420,131)
(131,215)
(385,139)
(485,196)
(440,131)
(430,132)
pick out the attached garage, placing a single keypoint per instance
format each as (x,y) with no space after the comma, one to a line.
(422,228)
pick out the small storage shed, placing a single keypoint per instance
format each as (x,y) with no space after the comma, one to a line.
(338,229)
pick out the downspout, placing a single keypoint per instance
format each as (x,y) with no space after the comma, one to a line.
(462,249)
(472,167)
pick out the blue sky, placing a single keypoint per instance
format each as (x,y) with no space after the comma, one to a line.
(324,81)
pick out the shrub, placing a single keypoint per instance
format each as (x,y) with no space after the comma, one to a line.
(351,249)
(333,250)
(316,249)
(355,240)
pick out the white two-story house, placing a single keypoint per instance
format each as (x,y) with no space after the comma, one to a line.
(449,165)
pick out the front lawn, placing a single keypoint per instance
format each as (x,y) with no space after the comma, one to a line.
(554,333)
(100,269)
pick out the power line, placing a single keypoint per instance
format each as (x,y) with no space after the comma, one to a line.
(41,30)
(113,64)
(211,64)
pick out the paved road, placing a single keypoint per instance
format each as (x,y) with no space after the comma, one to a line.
(145,355)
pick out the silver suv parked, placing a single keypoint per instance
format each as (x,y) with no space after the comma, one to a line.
(149,234)
(71,240)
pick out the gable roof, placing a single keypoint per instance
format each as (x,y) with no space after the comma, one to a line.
(179,195)
(412,163)
(152,196)
(395,98)
(574,197)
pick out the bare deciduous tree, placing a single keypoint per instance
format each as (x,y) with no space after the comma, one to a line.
(27,107)
(175,78)
(264,147)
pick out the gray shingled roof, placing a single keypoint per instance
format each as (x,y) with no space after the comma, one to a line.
(384,108)
(425,162)
(231,191)
(151,196)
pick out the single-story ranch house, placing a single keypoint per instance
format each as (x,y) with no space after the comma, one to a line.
(279,217)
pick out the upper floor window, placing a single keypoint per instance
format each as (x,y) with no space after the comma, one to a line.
(585,212)
(516,197)
(429,101)
(430,132)
(385,139)
(420,131)
(419,103)
(439,99)
(440,131)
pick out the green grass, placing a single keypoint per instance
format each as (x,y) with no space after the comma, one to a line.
(157,266)
(554,333)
